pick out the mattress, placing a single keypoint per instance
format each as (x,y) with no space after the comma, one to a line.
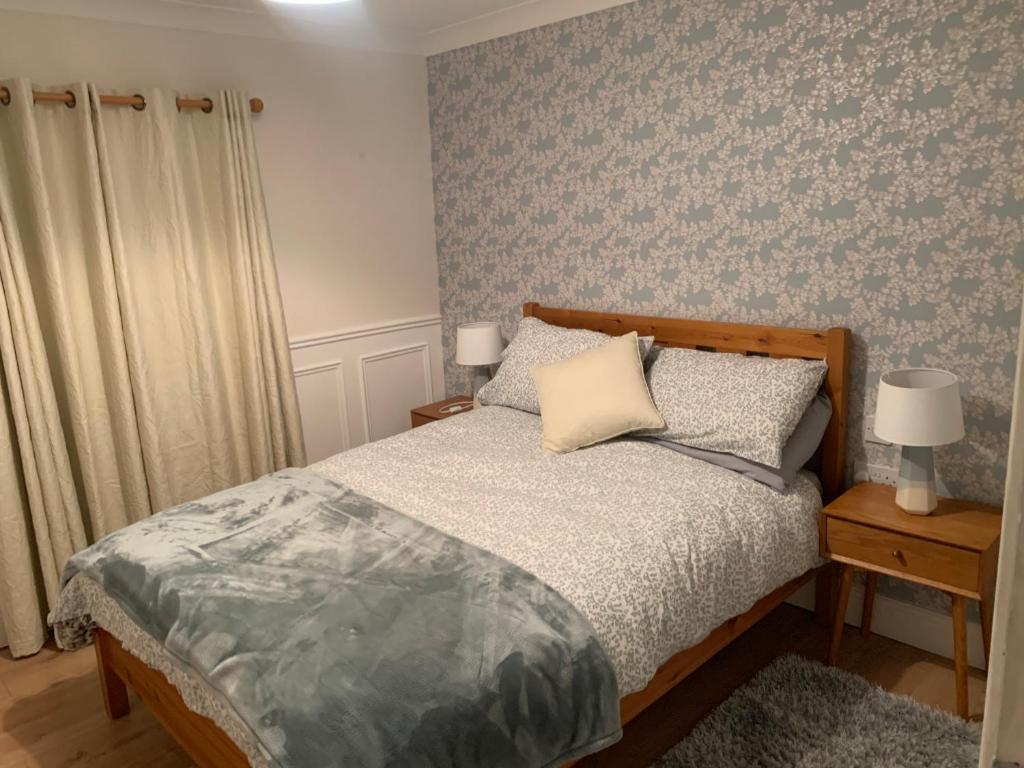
(654,548)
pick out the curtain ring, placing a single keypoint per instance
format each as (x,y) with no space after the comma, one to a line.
(72,102)
(5,96)
(208,107)
(140,107)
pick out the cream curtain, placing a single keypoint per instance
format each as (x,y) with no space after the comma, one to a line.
(143,351)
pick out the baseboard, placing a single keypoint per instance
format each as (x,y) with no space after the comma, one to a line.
(911,624)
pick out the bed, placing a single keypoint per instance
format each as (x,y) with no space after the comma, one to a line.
(668,558)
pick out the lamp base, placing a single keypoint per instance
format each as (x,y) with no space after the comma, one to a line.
(915,488)
(481,375)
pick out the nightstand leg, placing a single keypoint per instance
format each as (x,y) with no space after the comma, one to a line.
(960,653)
(870,585)
(840,616)
(986,625)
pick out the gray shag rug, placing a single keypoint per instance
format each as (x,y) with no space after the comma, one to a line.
(797,713)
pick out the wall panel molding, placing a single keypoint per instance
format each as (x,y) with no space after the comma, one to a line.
(358,384)
(320,400)
(311,369)
(396,388)
(363,331)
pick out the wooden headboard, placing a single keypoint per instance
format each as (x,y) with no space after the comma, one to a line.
(832,346)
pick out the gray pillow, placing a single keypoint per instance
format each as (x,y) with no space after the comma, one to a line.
(727,403)
(537,343)
(799,449)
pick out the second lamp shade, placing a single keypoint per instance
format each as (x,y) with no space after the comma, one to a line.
(478,344)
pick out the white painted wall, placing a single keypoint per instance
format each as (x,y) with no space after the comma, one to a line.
(344,146)
(1002,734)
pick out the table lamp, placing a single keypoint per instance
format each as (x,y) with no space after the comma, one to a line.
(918,408)
(478,345)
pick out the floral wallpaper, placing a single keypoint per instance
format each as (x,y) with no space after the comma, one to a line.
(809,163)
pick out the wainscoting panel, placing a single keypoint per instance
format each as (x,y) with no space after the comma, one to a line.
(393,383)
(358,384)
(321,391)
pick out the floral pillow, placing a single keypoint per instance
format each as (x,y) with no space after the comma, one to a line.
(746,406)
(537,343)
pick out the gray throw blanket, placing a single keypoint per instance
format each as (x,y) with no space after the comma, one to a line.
(343,633)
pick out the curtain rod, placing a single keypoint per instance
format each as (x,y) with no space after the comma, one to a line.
(135,102)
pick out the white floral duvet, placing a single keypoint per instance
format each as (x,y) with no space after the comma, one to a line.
(654,548)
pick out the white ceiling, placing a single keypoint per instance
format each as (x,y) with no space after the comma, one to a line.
(408,26)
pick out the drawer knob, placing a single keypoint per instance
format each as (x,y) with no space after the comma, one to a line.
(899,556)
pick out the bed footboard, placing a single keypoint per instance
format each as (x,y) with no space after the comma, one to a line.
(199,736)
(210,747)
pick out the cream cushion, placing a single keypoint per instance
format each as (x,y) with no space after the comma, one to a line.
(594,396)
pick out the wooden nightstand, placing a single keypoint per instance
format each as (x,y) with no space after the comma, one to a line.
(428,413)
(954,549)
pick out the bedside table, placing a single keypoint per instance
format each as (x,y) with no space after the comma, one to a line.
(428,413)
(954,549)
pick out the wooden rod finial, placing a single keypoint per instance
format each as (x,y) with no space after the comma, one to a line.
(5,95)
(256,105)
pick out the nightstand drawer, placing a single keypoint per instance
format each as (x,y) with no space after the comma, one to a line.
(904,555)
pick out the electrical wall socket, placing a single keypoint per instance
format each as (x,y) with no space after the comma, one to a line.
(883,475)
(874,473)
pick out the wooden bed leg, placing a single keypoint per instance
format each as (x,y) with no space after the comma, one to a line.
(825,595)
(115,692)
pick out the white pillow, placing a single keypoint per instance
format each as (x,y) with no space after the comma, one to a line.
(537,343)
(595,396)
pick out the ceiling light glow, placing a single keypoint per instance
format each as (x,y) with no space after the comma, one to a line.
(307,2)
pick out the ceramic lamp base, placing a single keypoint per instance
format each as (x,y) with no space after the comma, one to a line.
(481,375)
(915,488)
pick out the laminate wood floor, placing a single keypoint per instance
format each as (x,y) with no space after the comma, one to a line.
(51,715)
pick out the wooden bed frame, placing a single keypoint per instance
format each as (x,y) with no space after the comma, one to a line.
(210,747)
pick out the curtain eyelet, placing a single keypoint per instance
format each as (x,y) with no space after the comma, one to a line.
(72,101)
(5,96)
(140,107)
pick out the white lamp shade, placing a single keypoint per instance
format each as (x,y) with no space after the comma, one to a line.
(478,344)
(919,407)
